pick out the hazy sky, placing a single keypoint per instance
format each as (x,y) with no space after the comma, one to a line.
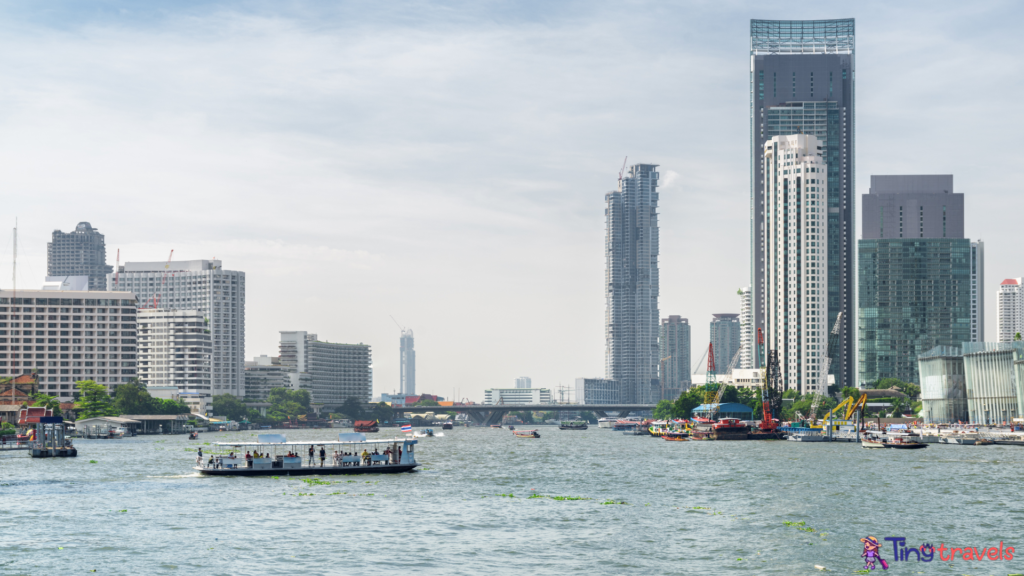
(446,163)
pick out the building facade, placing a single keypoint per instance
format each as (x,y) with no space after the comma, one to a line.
(407,359)
(796,259)
(66,337)
(802,82)
(977,291)
(632,284)
(204,286)
(337,371)
(917,273)
(674,341)
(175,350)
(517,396)
(725,339)
(264,373)
(943,385)
(993,394)
(597,391)
(524,382)
(748,340)
(82,252)
(1010,315)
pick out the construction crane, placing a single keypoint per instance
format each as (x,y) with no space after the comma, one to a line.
(163,282)
(833,341)
(770,398)
(852,406)
(735,359)
(710,378)
(622,171)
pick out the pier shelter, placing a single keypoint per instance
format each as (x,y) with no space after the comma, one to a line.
(160,423)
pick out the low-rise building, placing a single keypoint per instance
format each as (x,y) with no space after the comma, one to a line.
(597,391)
(517,396)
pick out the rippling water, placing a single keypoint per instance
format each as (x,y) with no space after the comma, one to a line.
(690,507)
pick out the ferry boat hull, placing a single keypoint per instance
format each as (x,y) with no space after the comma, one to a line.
(308,470)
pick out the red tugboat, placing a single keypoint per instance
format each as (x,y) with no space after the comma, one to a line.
(366,426)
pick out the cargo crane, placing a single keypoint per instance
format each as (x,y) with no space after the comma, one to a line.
(833,340)
(771,397)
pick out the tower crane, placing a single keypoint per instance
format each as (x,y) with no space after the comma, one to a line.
(735,359)
(833,340)
(771,399)
(622,171)
(163,282)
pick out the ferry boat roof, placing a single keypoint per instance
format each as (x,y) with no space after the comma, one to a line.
(344,439)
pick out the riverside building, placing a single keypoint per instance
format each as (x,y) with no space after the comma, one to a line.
(675,357)
(175,350)
(597,391)
(631,285)
(66,337)
(336,371)
(517,396)
(919,277)
(1010,316)
(795,258)
(82,252)
(524,382)
(747,338)
(207,288)
(802,82)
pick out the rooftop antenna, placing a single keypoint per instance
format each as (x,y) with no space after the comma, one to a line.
(623,170)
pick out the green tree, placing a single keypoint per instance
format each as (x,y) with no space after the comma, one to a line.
(382,412)
(526,416)
(353,408)
(589,416)
(1016,337)
(426,402)
(281,395)
(230,407)
(131,399)
(791,393)
(663,411)
(94,401)
(850,392)
(41,400)
(687,401)
(7,429)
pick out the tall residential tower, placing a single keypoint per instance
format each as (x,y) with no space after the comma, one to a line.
(675,357)
(407,385)
(802,82)
(82,252)
(631,285)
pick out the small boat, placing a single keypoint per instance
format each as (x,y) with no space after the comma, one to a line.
(899,441)
(573,425)
(278,457)
(526,434)
(367,426)
(447,426)
(674,438)
(606,422)
(511,427)
(495,425)
(983,442)
(193,436)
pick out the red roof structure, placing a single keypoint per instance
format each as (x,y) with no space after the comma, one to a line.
(31,415)
(1011,281)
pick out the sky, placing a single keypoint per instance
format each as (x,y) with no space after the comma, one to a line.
(445,163)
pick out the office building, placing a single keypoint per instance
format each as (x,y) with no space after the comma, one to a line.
(597,391)
(917,273)
(82,252)
(977,291)
(943,385)
(337,371)
(206,287)
(66,337)
(795,227)
(264,373)
(524,382)
(747,337)
(517,396)
(175,350)
(674,341)
(1010,314)
(631,285)
(725,338)
(802,82)
(407,371)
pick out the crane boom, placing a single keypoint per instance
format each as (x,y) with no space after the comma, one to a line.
(163,281)
(833,340)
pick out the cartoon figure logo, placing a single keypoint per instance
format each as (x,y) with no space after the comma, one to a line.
(870,555)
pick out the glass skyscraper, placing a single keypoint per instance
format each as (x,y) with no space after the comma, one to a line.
(802,82)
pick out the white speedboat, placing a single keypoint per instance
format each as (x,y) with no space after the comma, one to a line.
(810,435)
(606,422)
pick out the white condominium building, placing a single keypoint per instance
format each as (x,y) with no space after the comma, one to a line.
(794,243)
(337,372)
(203,286)
(517,396)
(747,337)
(1011,309)
(175,350)
(65,337)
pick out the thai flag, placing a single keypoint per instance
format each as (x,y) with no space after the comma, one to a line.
(406,427)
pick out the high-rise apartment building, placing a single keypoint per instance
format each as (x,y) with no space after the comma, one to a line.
(918,275)
(524,382)
(795,231)
(337,371)
(264,373)
(631,285)
(1010,302)
(802,82)
(207,288)
(725,337)
(747,339)
(175,350)
(674,341)
(977,291)
(66,337)
(82,252)
(408,364)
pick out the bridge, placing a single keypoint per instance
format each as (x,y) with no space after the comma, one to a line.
(487,414)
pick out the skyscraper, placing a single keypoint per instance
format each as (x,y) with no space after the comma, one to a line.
(802,82)
(1010,302)
(917,273)
(79,253)
(674,342)
(795,230)
(407,385)
(747,337)
(725,336)
(218,295)
(631,285)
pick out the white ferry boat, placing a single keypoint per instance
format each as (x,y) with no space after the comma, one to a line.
(352,453)
(606,422)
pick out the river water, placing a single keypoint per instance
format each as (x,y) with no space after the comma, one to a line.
(688,508)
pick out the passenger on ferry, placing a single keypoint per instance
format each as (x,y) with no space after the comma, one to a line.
(248,460)
(323,456)
(210,463)
(366,456)
(311,453)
